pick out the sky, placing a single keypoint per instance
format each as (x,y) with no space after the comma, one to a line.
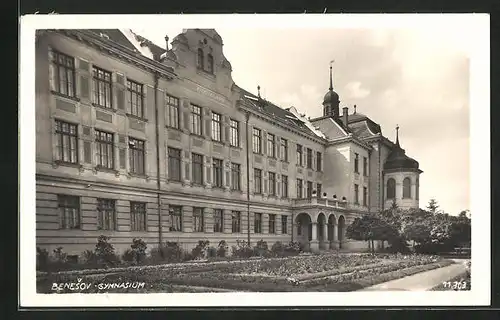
(415,78)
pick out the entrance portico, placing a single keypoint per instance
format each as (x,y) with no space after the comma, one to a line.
(319,232)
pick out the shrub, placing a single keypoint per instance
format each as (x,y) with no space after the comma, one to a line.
(89,257)
(138,248)
(199,250)
(293,248)
(211,252)
(261,249)
(105,252)
(222,249)
(42,259)
(242,249)
(129,256)
(278,249)
(60,256)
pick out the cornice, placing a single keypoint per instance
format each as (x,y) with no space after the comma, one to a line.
(353,139)
(118,51)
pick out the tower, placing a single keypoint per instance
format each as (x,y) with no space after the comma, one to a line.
(331,101)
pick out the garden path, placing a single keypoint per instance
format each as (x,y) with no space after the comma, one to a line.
(423,281)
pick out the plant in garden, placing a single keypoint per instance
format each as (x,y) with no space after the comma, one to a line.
(222,249)
(138,248)
(42,258)
(105,252)
(242,249)
(261,249)
(59,255)
(199,251)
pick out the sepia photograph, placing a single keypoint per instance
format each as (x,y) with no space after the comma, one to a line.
(325,158)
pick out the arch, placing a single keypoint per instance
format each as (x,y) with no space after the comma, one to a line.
(322,235)
(201,58)
(407,187)
(341,228)
(210,63)
(303,223)
(332,223)
(391,188)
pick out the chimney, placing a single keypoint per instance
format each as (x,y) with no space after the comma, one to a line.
(345,117)
(166,43)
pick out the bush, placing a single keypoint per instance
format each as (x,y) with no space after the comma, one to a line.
(138,249)
(129,256)
(89,257)
(211,252)
(222,249)
(199,251)
(105,252)
(398,244)
(60,256)
(261,249)
(278,249)
(242,249)
(293,248)
(42,259)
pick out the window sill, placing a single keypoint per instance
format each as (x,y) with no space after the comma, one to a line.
(218,142)
(173,128)
(285,161)
(67,164)
(55,93)
(138,175)
(109,109)
(197,135)
(174,181)
(235,147)
(136,117)
(236,191)
(258,153)
(105,169)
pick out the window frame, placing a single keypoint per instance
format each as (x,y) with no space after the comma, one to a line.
(300,155)
(356,193)
(257,223)
(108,144)
(234,140)
(106,207)
(319,161)
(173,104)
(365,196)
(218,221)
(196,120)
(216,124)
(390,187)
(235,174)
(138,208)
(235,221)
(272,224)
(356,163)
(197,163)
(201,59)
(138,94)
(218,172)
(72,203)
(134,151)
(407,194)
(309,158)
(198,219)
(175,214)
(284,224)
(72,140)
(104,77)
(300,188)
(271,145)
(284,186)
(257,187)
(67,67)
(284,149)
(174,158)
(309,189)
(257,140)
(365,167)
(272,183)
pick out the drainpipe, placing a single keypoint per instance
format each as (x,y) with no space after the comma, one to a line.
(369,182)
(380,178)
(247,116)
(158,185)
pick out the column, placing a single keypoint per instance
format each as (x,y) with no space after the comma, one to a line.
(334,244)
(325,243)
(314,243)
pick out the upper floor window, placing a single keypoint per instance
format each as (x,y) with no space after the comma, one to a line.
(216,126)
(300,159)
(257,176)
(173,112)
(271,145)
(105,149)
(365,166)
(272,183)
(210,63)
(63,74)
(235,176)
(135,98)
(309,188)
(356,194)
(217,172)
(66,142)
(356,163)
(235,133)
(197,169)
(319,190)
(69,207)
(136,155)
(300,187)
(284,186)
(201,58)
(174,164)
(319,161)
(284,149)
(406,188)
(101,87)
(196,120)
(365,196)
(257,140)
(309,157)
(391,188)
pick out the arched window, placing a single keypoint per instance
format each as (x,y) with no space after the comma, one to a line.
(406,188)
(201,57)
(391,188)
(210,63)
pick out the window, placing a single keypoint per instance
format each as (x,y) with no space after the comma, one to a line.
(319,161)
(300,187)
(135,97)
(198,220)
(356,194)
(218,220)
(356,163)
(63,74)
(309,158)
(104,145)
(201,58)
(101,87)
(365,196)
(236,222)
(271,145)
(197,168)
(173,112)
(284,186)
(136,154)
(300,160)
(196,120)
(235,133)
(174,164)
(210,63)
(391,188)
(138,216)
(318,190)
(417,186)
(69,208)
(272,223)
(406,188)
(235,176)
(217,171)
(365,166)
(216,126)
(284,224)
(257,140)
(175,218)
(309,187)
(106,217)
(272,183)
(257,175)
(257,226)
(66,142)
(284,149)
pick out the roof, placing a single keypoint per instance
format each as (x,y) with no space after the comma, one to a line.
(398,159)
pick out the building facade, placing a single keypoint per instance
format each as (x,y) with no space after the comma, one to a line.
(138,141)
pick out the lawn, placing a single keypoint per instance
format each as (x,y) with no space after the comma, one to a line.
(325,272)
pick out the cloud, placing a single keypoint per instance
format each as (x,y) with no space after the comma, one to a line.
(354,90)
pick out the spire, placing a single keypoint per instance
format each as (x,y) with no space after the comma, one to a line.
(258,90)
(397,136)
(331,78)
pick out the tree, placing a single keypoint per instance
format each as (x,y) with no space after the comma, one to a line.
(360,229)
(418,232)
(433,206)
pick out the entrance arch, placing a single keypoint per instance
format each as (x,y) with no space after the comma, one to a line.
(322,231)
(303,224)
(332,231)
(341,230)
